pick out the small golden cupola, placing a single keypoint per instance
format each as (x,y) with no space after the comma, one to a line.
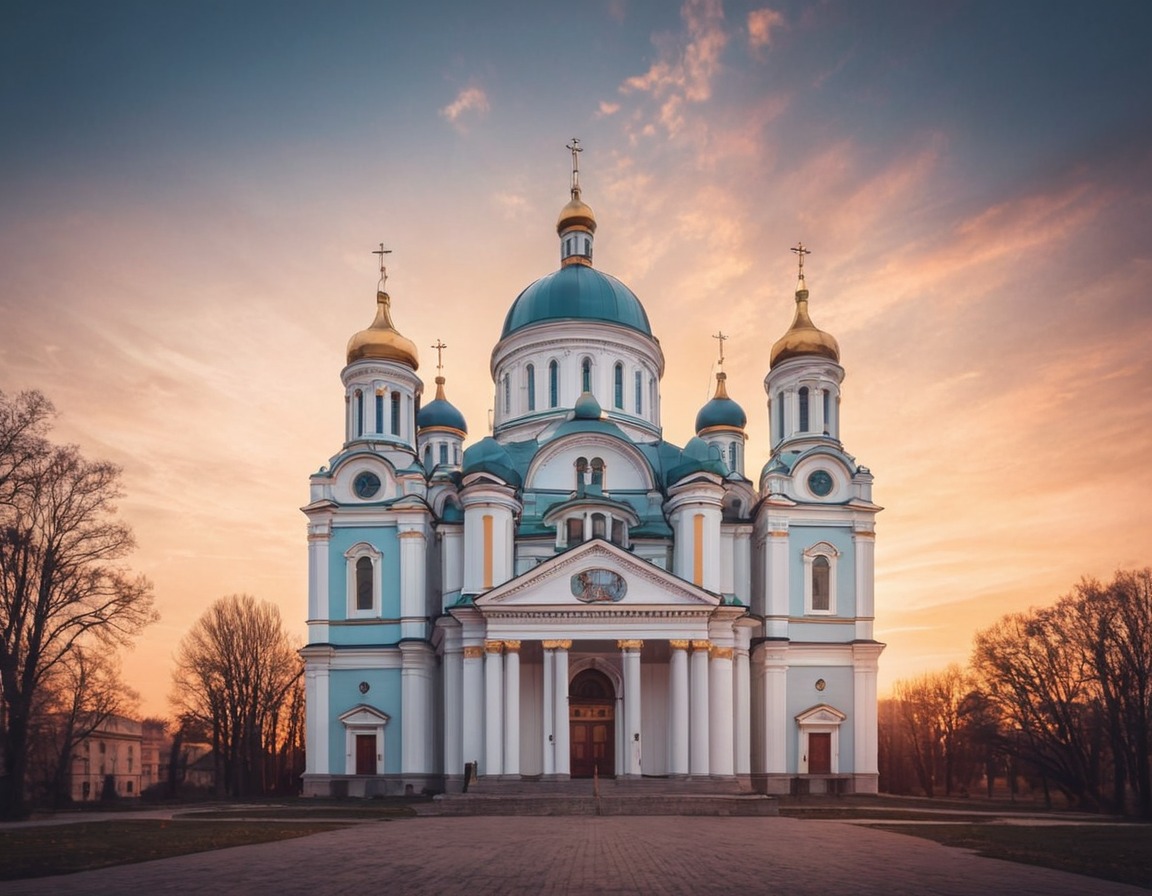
(381,341)
(803,337)
(577,222)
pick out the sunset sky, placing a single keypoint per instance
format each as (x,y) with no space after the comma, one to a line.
(190,193)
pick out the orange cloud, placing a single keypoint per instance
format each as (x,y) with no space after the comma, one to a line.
(761,24)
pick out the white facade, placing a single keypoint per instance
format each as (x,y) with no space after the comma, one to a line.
(574,596)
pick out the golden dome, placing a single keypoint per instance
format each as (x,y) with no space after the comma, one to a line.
(576,213)
(381,341)
(803,337)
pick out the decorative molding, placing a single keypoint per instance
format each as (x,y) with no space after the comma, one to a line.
(496,647)
(721,653)
(701,645)
(473,653)
(679,644)
(557,645)
(512,646)
(630,644)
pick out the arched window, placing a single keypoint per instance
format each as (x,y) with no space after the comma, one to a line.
(427,457)
(553,384)
(618,385)
(395,413)
(574,527)
(581,474)
(780,415)
(803,408)
(732,457)
(820,578)
(597,473)
(380,410)
(530,377)
(820,594)
(639,393)
(359,413)
(586,375)
(599,526)
(364,589)
(444,452)
(827,411)
(507,393)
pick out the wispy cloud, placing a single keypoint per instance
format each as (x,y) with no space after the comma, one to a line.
(761,25)
(687,64)
(471,102)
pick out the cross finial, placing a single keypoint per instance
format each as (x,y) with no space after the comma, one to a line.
(801,252)
(439,346)
(576,148)
(383,270)
(719,335)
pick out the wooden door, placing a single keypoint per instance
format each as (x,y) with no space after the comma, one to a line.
(820,753)
(592,742)
(365,754)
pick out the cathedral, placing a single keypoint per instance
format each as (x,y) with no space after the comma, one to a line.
(573,596)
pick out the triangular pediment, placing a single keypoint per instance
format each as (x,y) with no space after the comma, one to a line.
(821,714)
(364,716)
(597,575)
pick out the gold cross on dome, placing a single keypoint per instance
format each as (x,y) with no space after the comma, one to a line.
(576,148)
(383,270)
(719,335)
(801,252)
(439,346)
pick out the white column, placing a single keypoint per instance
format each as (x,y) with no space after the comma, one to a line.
(864,734)
(698,762)
(678,708)
(493,706)
(512,708)
(316,721)
(473,709)
(453,700)
(742,705)
(631,663)
(416,706)
(548,714)
(560,707)
(413,613)
(865,610)
(774,717)
(720,730)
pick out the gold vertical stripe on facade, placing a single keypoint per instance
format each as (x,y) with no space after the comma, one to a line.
(487,550)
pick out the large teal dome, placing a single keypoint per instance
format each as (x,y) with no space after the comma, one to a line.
(577,292)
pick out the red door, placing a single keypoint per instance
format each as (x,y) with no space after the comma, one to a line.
(365,754)
(820,753)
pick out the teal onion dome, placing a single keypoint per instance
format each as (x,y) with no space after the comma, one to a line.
(586,408)
(576,292)
(697,457)
(721,411)
(441,413)
(489,456)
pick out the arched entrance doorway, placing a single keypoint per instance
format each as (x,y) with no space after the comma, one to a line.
(592,725)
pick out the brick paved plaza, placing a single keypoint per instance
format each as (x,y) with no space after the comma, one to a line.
(650,855)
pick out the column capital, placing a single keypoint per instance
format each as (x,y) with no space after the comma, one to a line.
(721,653)
(679,644)
(557,645)
(701,645)
(512,646)
(630,644)
(493,646)
(473,653)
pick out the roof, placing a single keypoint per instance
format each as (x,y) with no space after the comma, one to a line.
(577,292)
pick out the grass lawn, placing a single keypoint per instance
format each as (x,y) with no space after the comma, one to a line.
(66,848)
(1121,852)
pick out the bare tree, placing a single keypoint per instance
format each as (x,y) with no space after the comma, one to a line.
(235,671)
(60,584)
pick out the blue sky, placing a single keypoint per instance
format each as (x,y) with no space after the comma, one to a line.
(191,193)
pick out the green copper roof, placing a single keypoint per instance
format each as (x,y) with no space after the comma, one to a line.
(440,413)
(577,292)
(721,412)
